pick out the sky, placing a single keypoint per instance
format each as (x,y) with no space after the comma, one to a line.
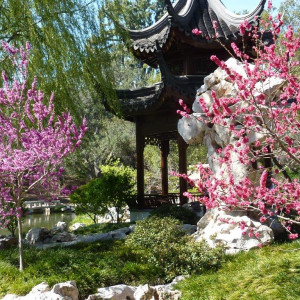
(240,5)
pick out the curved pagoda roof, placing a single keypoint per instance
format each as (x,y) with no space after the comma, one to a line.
(185,16)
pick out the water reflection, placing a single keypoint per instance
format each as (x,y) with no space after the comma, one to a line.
(43,220)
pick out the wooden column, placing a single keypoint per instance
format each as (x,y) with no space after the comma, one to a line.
(140,145)
(164,152)
(182,146)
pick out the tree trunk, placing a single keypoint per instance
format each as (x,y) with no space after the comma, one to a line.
(118,216)
(21,267)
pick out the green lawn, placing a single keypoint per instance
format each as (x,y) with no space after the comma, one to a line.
(90,265)
(270,273)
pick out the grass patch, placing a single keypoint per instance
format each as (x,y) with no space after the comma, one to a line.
(90,265)
(272,272)
(85,219)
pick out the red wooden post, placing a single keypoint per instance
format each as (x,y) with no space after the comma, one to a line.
(164,151)
(140,145)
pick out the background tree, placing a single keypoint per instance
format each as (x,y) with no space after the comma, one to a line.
(112,189)
(58,32)
(33,141)
(290,10)
(89,200)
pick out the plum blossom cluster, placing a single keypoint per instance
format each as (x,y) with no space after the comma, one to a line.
(33,140)
(264,119)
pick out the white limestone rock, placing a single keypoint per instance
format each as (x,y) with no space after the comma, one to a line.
(237,66)
(210,80)
(270,87)
(76,226)
(61,291)
(62,237)
(41,288)
(37,235)
(224,89)
(67,289)
(202,89)
(208,100)
(144,292)
(191,129)
(216,232)
(115,292)
(223,133)
(59,227)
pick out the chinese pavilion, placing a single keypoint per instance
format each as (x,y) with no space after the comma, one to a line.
(184,61)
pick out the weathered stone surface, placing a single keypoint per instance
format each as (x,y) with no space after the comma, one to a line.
(59,227)
(191,129)
(76,226)
(62,291)
(217,136)
(66,289)
(215,231)
(208,100)
(120,234)
(117,235)
(90,238)
(188,228)
(41,288)
(7,242)
(63,237)
(37,235)
(115,292)
(142,292)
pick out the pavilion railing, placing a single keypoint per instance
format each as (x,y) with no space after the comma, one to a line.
(156,200)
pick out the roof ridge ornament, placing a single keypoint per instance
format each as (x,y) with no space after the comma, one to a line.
(231,18)
(185,19)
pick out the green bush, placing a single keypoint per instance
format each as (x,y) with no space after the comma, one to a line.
(177,212)
(112,189)
(162,242)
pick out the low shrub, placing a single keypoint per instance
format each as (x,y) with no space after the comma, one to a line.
(162,242)
(112,189)
(177,212)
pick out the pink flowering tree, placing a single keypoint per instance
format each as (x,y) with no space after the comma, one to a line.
(33,141)
(272,116)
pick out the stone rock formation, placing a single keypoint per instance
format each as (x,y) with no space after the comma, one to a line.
(61,291)
(219,227)
(59,227)
(76,226)
(43,238)
(7,242)
(214,136)
(142,292)
(68,291)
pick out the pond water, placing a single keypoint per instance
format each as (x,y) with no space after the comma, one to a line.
(42,220)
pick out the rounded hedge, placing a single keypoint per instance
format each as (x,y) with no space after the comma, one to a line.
(177,212)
